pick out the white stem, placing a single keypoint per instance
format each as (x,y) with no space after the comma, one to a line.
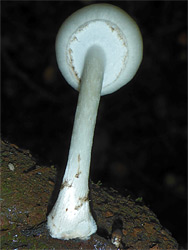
(85,117)
(70,216)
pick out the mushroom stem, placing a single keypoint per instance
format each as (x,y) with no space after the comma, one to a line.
(85,117)
(70,217)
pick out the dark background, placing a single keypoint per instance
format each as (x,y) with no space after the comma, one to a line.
(140,137)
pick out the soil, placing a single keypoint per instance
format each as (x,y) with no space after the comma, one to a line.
(28,193)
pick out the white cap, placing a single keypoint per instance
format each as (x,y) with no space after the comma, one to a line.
(110,28)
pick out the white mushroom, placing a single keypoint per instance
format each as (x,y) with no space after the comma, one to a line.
(98,49)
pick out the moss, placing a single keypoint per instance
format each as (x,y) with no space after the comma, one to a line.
(26,193)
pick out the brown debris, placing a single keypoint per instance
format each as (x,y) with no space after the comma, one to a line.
(108,214)
(26,193)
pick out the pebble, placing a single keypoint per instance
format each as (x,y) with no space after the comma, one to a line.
(11,166)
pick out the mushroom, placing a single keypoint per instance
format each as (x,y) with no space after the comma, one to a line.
(99,49)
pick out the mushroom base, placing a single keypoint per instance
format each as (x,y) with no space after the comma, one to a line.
(71,220)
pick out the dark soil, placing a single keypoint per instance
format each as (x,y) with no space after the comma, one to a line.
(26,191)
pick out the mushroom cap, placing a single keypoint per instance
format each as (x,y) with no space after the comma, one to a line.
(110,28)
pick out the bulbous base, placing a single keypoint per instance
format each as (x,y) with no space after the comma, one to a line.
(71,219)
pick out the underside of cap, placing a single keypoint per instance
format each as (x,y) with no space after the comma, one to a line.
(108,27)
